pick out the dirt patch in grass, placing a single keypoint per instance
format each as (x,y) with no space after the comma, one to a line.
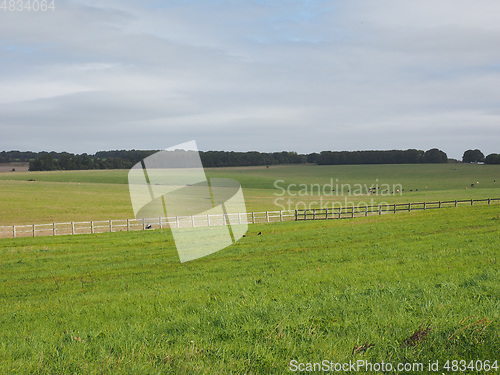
(417,337)
(18,167)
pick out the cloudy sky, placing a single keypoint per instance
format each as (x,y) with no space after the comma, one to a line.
(266,75)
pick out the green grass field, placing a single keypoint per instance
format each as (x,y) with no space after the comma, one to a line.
(103,195)
(336,290)
(306,291)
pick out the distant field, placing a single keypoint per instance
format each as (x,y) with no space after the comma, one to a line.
(19,167)
(305,291)
(103,194)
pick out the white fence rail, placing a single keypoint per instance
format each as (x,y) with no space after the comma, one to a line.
(101,226)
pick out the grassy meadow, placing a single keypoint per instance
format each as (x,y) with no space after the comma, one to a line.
(103,194)
(405,288)
(338,290)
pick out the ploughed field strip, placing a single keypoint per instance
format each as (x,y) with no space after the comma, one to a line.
(346,212)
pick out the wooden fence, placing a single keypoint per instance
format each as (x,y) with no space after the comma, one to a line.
(90,227)
(362,211)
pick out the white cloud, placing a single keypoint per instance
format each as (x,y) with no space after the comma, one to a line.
(294,75)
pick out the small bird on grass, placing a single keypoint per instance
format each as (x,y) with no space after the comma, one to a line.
(258,234)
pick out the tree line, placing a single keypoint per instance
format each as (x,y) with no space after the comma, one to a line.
(17,156)
(126,159)
(379,157)
(51,161)
(476,156)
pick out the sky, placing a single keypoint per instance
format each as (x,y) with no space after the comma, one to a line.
(264,75)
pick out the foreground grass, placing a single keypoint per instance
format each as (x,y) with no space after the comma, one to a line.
(64,196)
(122,303)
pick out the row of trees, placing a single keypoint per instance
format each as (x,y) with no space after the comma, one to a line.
(17,156)
(476,156)
(50,161)
(379,157)
(233,159)
(124,159)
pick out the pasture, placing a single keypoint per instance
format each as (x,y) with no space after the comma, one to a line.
(46,197)
(406,288)
(307,291)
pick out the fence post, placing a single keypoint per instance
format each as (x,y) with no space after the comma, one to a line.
(267,216)
(143,223)
(394,207)
(456,203)
(380,209)
(366,211)
(128,225)
(439,204)
(160,219)
(296,215)
(110,226)
(314,214)
(208,220)
(53,229)
(352,211)
(326,213)
(425,206)
(340,212)
(409,207)
(33,230)
(177,221)
(281,216)
(489,200)
(192,220)
(253,217)
(472,202)
(92,227)
(14,231)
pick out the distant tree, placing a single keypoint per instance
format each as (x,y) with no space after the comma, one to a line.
(312,158)
(48,162)
(44,162)
(35,165)
(492,159)
(435,155)
(414,156)
(86,162)
(472,156)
